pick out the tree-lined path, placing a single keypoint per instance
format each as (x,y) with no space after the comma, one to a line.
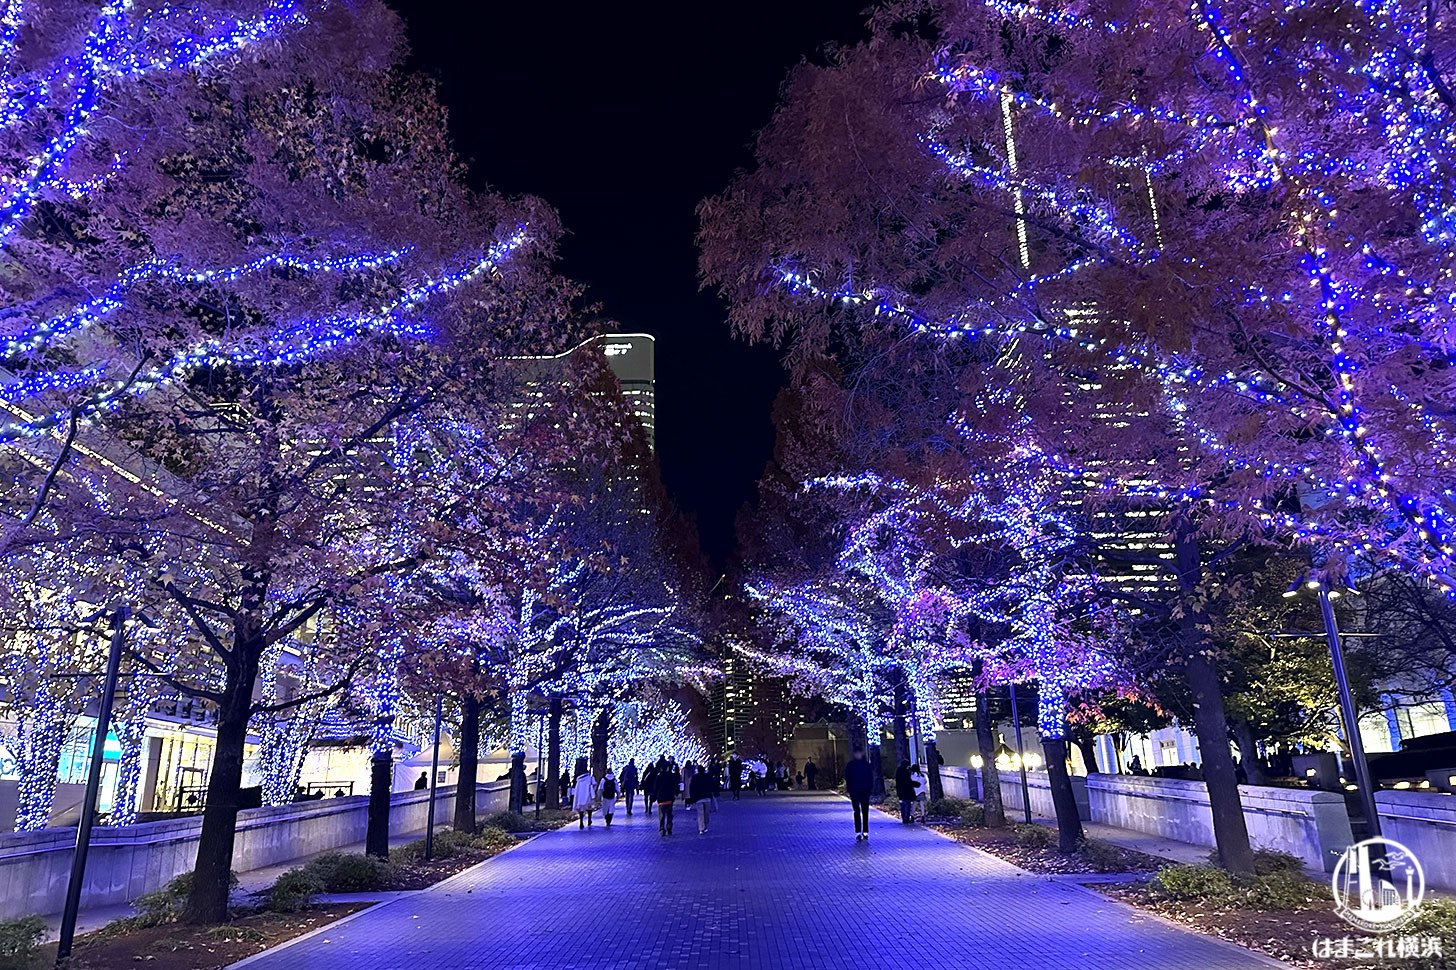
(777,881)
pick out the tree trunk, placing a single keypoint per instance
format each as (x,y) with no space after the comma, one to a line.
(552,798)
(381,781)
(1069,824)
(990,776)
(601,731)
(932,771)
(469,752)
(902,737)
(1249,752)
(212,874)
(1230,832)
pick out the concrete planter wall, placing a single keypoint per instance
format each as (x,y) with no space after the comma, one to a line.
(956,782)
(126,862)
(1312,825)
(1041,794)
(1425,823)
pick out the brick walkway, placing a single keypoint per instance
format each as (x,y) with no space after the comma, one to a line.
(777,881)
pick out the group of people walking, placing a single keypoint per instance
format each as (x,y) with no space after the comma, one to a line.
(661,783)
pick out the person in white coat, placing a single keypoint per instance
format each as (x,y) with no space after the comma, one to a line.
(583,798)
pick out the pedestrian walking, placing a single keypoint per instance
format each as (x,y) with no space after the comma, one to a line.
(735,777)
(810,771)
(629,783)
(922,791)
(583,798)
(904,789)
(649,787)
(667,785)
(688,770)
(609,797)
(699,796)
(859,781)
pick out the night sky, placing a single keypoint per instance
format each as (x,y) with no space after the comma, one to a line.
(623,116)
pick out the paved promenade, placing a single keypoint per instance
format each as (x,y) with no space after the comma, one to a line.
(777,882)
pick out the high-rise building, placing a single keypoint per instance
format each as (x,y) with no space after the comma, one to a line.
(632,358)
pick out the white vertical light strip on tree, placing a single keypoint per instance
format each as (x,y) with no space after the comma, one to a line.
(1020,202)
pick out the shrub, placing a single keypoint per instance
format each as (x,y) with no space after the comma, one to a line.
(338,872)
(1280,889)
(1437,918)
(510,822)
(165,905)
(1033,836)
(493,840)
(951,807)
(1267,862)
(1102,856)
(296,889)
(973,814)
(409,852)
(1193,882)
(451,843)
(20,941)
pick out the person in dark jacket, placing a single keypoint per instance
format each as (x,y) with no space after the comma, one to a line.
(810,770)
(735,777)
(649,787)
(628,778)
(859,781)
(668,785)
(904,789)
(700,795)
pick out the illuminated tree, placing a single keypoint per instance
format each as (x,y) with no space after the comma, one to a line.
(1072,177)
(289,271)
(49,648)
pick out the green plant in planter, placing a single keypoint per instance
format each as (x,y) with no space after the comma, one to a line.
(1280,889)
(1193,882)
(340,872)
(295,890)
(1102,856)
(1033,836)
(952,807)
(20,942)
(165,905)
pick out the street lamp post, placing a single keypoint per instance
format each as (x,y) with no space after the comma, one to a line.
(1347,709)
(434,776)
(540,763)
(1020,756)
(119,617)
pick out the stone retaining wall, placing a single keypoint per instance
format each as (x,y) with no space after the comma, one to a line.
(1312,825)
(1425,823)
(1041,794)
(131,860)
